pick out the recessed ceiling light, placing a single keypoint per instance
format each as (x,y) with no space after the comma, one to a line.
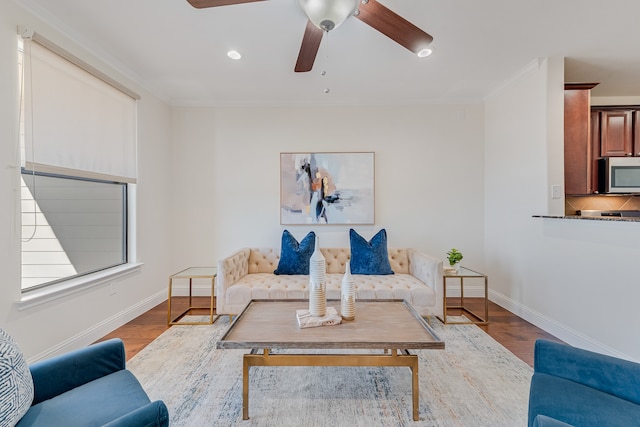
(425,52)
(234,54)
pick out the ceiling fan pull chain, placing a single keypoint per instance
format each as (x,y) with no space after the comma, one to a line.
(323,73)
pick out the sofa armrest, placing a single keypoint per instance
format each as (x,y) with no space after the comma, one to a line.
(427,269)
(154,414)
(60,374)
(601,372)
(230,270)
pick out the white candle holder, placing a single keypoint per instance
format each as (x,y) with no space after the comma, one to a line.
(348,295)
(317,283)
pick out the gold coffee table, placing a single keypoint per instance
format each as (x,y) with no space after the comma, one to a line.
(389,325)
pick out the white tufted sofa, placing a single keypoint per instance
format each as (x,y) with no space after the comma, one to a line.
(248,274)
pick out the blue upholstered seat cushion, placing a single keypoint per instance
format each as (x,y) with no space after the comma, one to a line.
(16,384)
(294,256)
(369,257)
(579,405)
(93,404)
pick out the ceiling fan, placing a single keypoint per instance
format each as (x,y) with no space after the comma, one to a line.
(325,15)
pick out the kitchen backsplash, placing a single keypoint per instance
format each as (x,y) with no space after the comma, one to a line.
(572,204)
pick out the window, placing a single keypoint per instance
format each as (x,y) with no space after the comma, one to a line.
(78,164)
(76,227)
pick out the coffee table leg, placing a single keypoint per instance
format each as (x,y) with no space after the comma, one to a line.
(416,388)
(245,388)
(407,360)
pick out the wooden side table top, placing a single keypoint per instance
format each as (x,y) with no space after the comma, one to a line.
(192,273)
(196,273)
(464,272)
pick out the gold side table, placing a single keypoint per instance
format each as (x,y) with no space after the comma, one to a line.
(465,273)
(193,273)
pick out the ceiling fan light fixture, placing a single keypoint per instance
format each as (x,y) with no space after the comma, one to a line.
(328,14)
(423,53)
(234,54)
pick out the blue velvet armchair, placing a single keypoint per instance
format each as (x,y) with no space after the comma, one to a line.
(575,387)
(91,387)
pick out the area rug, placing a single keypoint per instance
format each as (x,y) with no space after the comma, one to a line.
(475,381)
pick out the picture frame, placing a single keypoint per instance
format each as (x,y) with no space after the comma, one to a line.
(327,188)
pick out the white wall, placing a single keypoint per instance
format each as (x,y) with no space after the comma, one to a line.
(577,279)
(79,319)
(428,176)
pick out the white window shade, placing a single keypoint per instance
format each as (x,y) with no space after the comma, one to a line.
(76,124)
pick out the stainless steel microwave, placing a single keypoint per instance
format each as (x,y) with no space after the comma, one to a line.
(619,175)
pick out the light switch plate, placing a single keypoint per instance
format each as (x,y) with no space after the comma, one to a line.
(555,192)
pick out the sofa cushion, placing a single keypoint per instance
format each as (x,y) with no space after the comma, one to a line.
(294,256)
(248,274)
(16,384)
(369,257)
(268,286)
(94,403)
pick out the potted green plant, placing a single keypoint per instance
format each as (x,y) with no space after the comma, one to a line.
(454,256)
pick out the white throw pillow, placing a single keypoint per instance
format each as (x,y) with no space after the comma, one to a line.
(16,384)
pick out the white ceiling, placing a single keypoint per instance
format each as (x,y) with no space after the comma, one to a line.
(179,52)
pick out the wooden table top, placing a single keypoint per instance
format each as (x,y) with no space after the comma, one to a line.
(379,324)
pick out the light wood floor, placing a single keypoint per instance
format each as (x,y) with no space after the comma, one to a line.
(512,332)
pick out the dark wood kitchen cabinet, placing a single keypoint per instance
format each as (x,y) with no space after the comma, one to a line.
(578,144)
(616,133)
(636,133)
(595,150)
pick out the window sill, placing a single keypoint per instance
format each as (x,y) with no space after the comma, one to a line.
(37,297)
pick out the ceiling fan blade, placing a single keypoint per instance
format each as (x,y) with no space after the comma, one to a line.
(309,49)
(201,4)
(393,26)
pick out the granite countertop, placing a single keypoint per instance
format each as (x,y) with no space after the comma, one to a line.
(592,218)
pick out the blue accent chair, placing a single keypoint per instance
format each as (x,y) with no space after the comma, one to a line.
(91,387)
(575,387)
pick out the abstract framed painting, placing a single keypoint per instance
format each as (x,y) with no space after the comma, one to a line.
(327,188)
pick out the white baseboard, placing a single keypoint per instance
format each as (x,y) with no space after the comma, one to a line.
(101,329)
(551,326)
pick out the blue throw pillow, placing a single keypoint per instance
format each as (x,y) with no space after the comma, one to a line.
(294,256)
(369,257)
